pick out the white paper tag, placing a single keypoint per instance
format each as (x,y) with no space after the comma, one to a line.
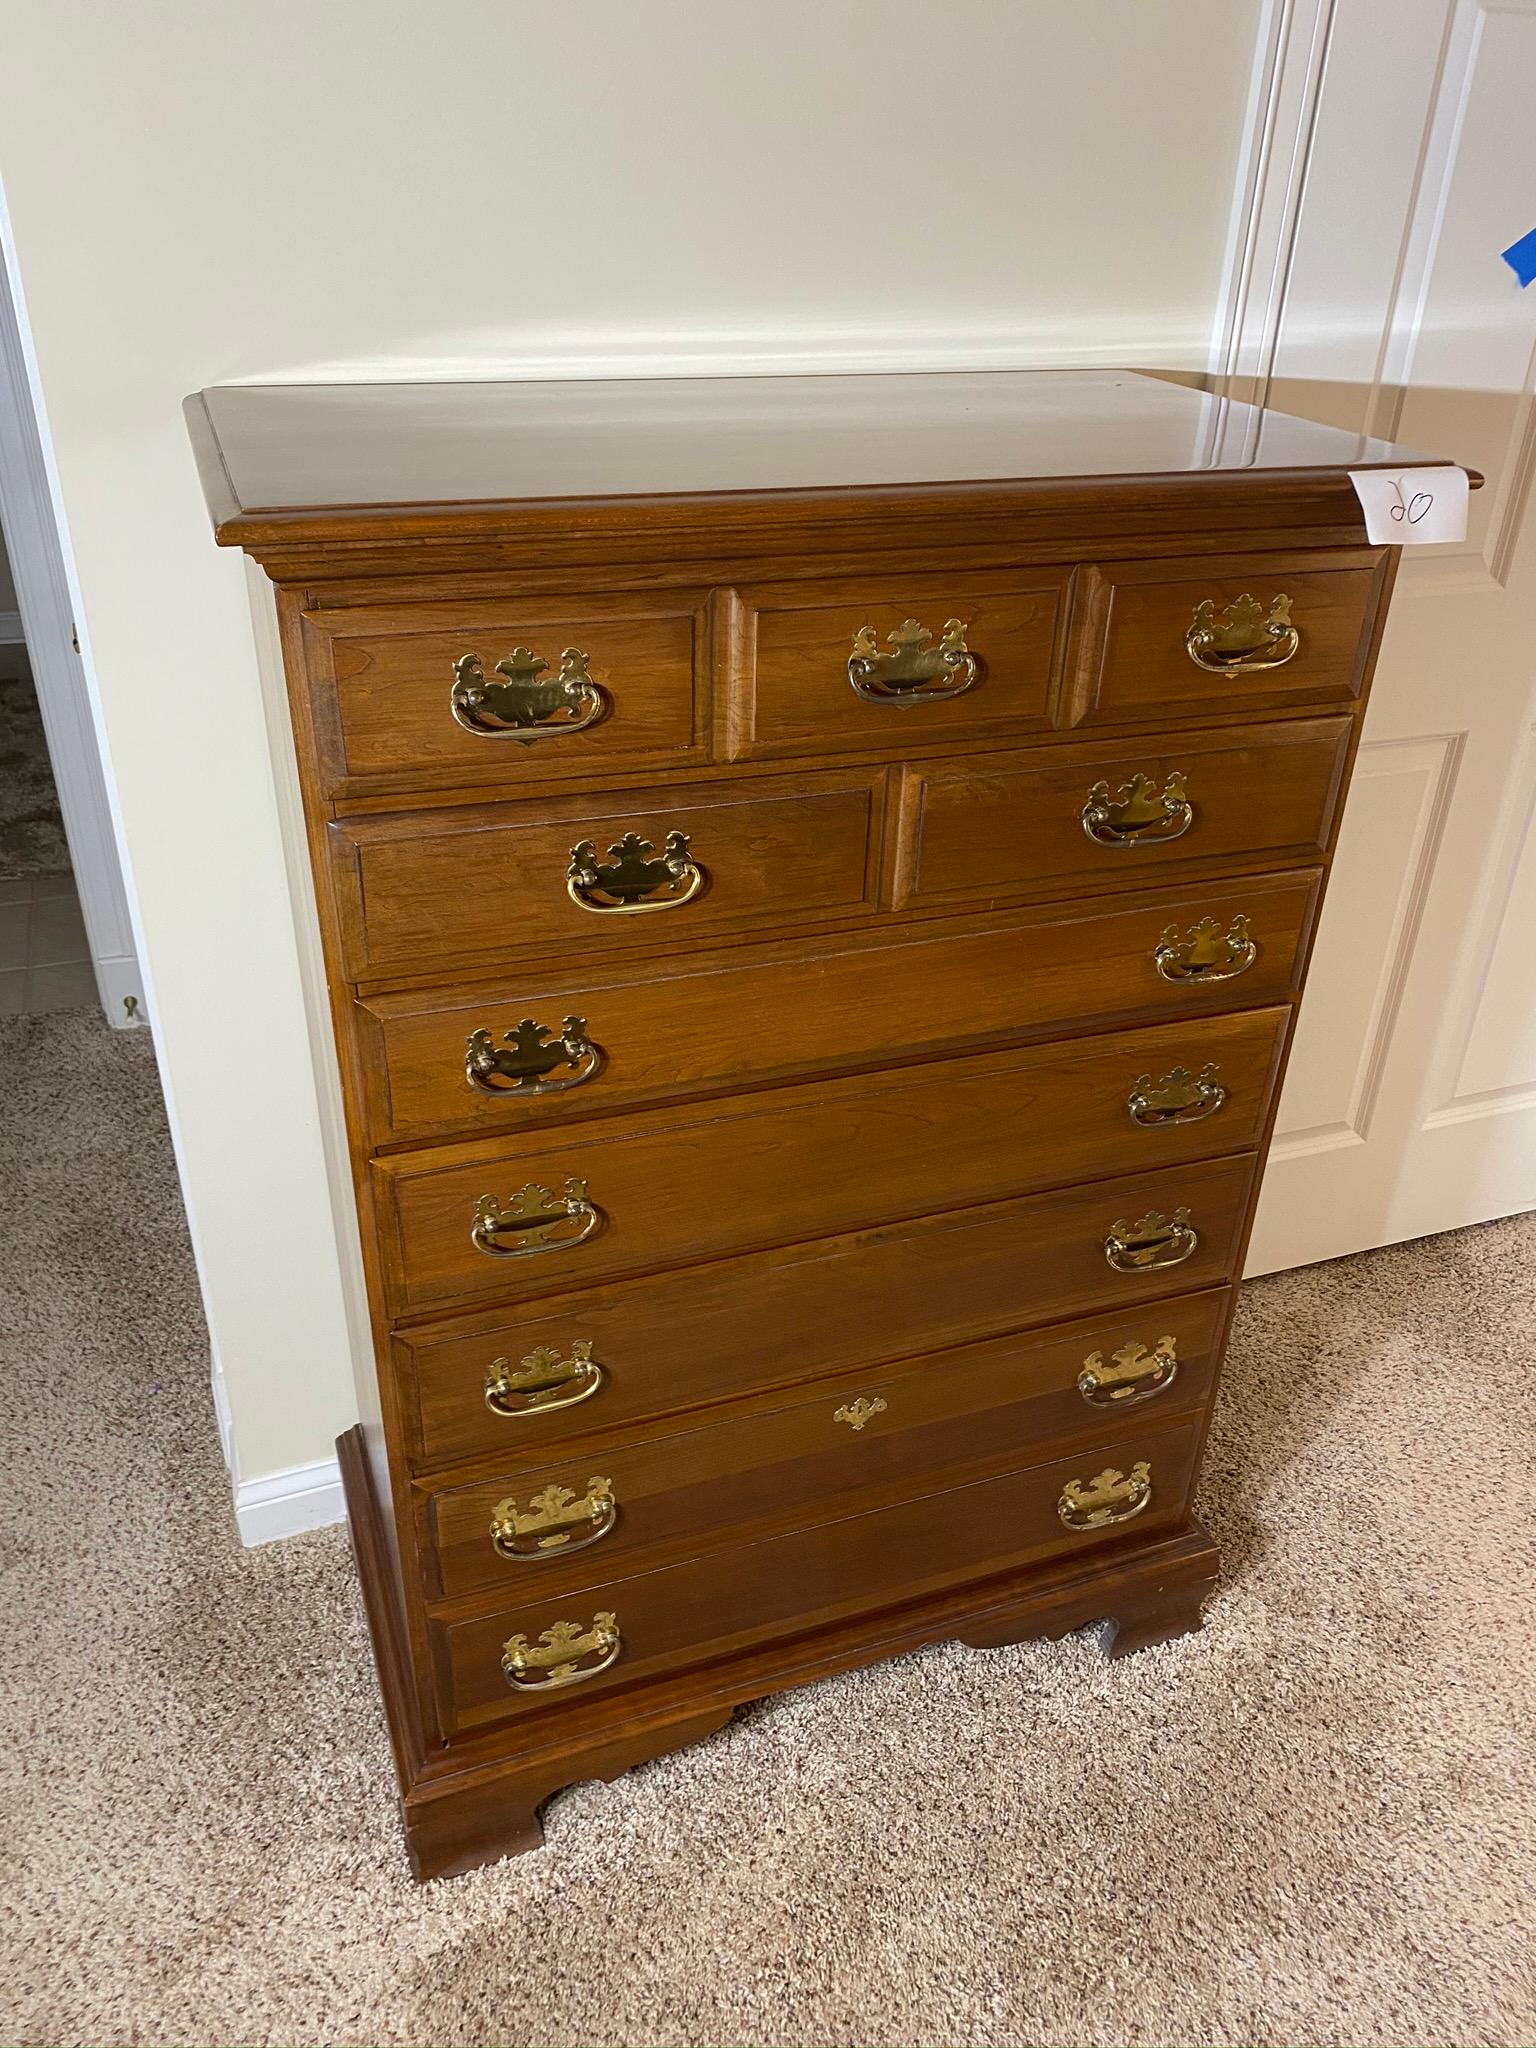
(1412,507)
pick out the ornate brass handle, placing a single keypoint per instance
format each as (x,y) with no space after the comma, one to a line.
(620,887)
(1206,952)
(536,1221)
(1240,640)
(1179,1098)
(560,1656)
(542,1380)
(1111,1496)
(555,1523)
(1140,815)
(1152,1241)
(857,1413)
(521,707)
(1133,1374)
(524,1063)
(914,671)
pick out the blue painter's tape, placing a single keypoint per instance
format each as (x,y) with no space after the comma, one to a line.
(1521,257)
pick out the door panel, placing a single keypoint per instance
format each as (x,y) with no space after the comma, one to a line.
(1410,1105)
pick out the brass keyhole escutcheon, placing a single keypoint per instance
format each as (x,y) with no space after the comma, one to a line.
(859,1414)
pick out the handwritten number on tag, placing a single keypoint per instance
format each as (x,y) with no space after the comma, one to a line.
(1414,509)
(1413,506)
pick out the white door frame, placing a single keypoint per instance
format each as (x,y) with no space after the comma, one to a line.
(45,621)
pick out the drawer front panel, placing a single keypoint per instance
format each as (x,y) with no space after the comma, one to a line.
(667,1187)
(996,676)
(1017,825)
(882,1434)
(431,889)
(737,1326)
(398,706)
(716,1021)
(1271,632)
(752,1593)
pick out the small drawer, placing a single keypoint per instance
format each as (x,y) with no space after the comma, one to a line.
(598,876)
(1213,638)
(898,666)
(517,1055)
(518,1384)
(547,1528)
(1120,815)
(667,1187)
(547,1651)
(527,691)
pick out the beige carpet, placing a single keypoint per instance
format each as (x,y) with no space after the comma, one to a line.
(1311,1824)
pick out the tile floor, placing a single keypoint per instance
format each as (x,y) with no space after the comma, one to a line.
(45,963)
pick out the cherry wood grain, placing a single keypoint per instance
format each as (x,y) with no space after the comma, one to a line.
(791,691)
(674,1186)
(843,1037)
(362,446)
(733,1327)
(811,1456)
(381,677)
(467,1802)
(731,1597)
(711,1021)
(1011,826)
(444,886)
(1129,658)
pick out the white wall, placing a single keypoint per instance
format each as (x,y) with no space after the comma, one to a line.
(202,192)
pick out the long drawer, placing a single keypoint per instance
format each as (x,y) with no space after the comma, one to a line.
(667,1187)
(517,1385)
(1122,815)
(452,1062)
(423,889)
(548,1528)
(630,1629)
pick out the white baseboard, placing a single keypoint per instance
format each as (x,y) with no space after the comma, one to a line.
(288,1503)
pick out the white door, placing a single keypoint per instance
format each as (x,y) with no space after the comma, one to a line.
(46,615)
(1369,291)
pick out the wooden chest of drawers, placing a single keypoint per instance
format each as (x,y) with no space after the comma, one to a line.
(816,876)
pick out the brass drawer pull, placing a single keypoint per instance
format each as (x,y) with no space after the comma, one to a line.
(1133,1374)
(555,1523)
(1206,952)
(915,671)
(1139,815)
(618,888)
(1110,1497)
(1240,640)
(1180,1097)
(521,707)
(542,1381)
(536,1221)
(857,1413)
(525,1061)
(560,1655)
(1151,1242)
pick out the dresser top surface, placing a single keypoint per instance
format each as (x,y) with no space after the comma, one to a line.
(298,448)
